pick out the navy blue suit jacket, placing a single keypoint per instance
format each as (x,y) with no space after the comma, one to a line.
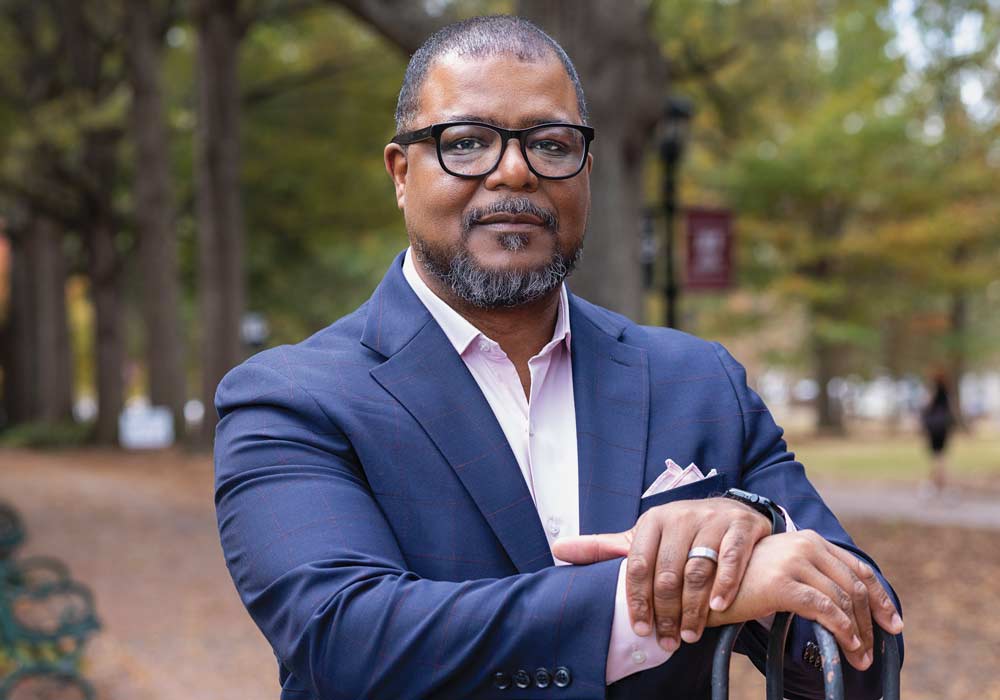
(381,535)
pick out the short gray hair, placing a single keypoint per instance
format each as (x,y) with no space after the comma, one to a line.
(479,37)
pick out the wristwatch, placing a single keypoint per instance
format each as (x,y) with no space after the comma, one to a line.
(763,505)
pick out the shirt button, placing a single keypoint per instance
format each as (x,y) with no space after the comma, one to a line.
(638,656)
(553,526)
(484,346)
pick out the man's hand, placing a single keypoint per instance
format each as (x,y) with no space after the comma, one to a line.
(663,586)
(801,572)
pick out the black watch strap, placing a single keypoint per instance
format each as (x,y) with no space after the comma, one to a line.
(763,505)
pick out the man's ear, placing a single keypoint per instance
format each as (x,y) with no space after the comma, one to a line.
(590,162)
(395,164)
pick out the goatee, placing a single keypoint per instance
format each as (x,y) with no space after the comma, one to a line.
(489,288)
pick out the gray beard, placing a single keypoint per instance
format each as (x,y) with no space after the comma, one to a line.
(487,288)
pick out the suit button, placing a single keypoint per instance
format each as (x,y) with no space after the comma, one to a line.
(501,680)
(542,677)
(521,678)
(561,677)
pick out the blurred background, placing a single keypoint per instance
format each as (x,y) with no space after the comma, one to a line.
(186,182)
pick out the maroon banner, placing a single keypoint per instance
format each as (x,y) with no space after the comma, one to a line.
(709,249)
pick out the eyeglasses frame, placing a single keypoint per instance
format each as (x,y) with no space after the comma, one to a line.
(434,132)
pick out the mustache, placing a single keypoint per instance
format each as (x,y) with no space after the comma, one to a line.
(513,206)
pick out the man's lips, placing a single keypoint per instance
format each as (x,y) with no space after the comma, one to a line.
(509,220)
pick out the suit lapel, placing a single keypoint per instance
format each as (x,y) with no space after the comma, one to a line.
(611,393)
(425,374)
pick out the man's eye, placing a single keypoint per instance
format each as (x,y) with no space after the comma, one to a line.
(464,145)
(550,147)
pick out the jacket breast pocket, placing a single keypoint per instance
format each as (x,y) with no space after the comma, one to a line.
(705,488)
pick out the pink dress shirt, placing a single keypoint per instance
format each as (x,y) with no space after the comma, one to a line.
(541,431)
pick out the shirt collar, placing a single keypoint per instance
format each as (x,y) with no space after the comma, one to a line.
(458,330)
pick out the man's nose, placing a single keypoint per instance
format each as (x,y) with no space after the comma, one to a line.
(512,171)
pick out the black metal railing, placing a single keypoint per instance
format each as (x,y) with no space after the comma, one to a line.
(833,678)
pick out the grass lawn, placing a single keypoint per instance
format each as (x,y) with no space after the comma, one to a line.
(973,459)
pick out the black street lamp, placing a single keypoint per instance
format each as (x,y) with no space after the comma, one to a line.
(675,126)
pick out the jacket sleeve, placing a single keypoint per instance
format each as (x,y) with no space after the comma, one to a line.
(770,469)
(318,568)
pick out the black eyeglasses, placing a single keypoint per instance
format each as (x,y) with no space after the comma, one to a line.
(474,149)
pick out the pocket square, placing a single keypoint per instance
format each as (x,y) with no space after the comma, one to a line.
(674,476)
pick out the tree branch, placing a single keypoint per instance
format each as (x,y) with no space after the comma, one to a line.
(271,11)
(703,67)
(403,22)
(270,89)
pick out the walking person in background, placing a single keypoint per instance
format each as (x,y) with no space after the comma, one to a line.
(938,420)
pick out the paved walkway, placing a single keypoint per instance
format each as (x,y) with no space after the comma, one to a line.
(958,507)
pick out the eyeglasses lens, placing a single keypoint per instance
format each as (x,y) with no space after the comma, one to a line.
(469,150)
(555,151)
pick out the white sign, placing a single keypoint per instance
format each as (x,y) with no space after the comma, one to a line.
(146,428)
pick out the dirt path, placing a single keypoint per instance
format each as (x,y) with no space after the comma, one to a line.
(140,530)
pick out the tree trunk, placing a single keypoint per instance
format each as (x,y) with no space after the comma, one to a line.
(155,213)
(829,411)
(20,341)
(104,271)
(220,215)
(54,375)
(610,273)
(625,79)
(86,57)
(105,294)
(958,325)
(38,365)
(828,222)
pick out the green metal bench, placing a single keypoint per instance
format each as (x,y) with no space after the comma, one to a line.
(45,620)
(11,531)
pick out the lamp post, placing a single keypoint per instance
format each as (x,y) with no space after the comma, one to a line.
(677,113)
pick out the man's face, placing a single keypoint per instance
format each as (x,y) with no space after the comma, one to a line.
(510,230)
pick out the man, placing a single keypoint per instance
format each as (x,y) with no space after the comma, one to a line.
(394,492)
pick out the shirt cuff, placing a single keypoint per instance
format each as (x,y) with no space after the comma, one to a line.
(629,653)
(789,525)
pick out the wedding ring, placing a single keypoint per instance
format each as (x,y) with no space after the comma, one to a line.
(704,553)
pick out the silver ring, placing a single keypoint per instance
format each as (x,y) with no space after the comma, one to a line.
(704,553)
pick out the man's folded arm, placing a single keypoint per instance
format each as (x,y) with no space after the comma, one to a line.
(321,573)
(772,470)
